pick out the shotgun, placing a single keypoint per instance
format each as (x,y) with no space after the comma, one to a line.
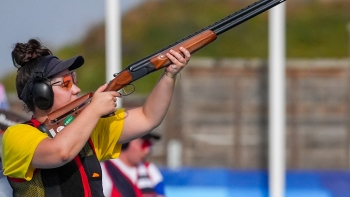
(59,118)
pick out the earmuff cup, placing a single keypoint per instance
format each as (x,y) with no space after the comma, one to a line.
(42,95)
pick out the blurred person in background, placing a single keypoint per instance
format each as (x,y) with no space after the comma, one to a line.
(131,174)
(69,163)
(3,98)
(5,188)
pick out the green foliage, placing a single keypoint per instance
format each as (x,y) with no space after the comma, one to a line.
(9,82)
(317,30)
(314,30)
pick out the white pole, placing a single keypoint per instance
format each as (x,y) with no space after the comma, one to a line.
(113,41)
(277,120)
(174,159)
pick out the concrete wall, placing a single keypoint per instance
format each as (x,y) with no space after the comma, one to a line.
(220,112)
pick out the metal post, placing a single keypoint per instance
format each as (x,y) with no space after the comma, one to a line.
(113,41)
(277,120)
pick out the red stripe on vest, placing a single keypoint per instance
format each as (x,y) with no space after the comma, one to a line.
(18,180)
(115,192)
(84,178)
(35,122)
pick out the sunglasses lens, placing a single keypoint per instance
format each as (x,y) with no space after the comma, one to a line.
(67,82)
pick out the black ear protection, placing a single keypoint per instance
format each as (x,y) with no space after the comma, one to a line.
(42,93)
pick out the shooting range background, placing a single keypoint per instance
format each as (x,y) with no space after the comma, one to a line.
(219,112)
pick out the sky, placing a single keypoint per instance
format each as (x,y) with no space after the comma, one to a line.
(55,23)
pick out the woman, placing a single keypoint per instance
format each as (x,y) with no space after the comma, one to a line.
(68,164)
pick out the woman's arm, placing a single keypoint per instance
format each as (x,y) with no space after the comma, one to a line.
(61,149)
(143,119)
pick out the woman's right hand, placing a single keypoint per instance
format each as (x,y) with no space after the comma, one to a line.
(104,103)
(57,151)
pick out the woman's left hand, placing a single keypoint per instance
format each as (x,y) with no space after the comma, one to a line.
(152,113)
(179,60)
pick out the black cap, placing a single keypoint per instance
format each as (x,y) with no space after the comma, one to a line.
(145,137)
(151,136)
(56,65)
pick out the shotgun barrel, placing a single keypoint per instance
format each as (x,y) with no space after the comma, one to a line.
(221,25)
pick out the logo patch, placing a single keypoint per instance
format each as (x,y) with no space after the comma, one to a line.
(52,132)
(95,175)
(60,128)
(68,120)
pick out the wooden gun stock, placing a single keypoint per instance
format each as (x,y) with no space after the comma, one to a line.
(59,118)
(192,45)
(156,61)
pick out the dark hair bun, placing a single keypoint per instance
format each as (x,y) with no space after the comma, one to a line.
(25,52)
